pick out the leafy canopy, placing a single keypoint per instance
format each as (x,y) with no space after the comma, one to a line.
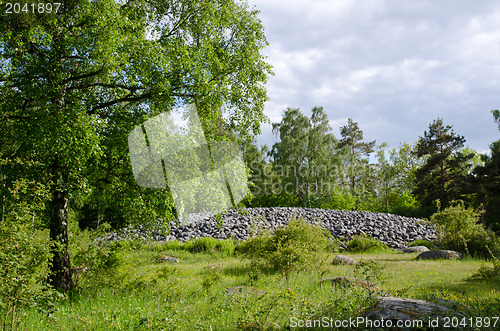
(75,82)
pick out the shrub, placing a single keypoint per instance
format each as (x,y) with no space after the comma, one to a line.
(164,281)
(335,245)
(291,248)
(97,261)
(421,242)
(370,270)
(488,272)
(363,243)
(211,275)
(257,247)
(24,255)
(458,230)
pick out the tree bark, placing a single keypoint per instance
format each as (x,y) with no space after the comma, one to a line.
(60,276)
(442,182)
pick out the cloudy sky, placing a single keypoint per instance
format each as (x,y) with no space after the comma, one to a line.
(393,66)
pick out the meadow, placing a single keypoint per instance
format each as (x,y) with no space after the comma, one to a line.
(129,286)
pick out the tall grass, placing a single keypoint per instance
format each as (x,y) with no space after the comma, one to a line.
(143,293)
(198,245)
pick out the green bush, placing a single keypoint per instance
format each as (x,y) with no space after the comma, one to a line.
(488,272)
(421,242)
(370,270)
(164,281)
(24,255)
(291,248)
(211,275)
(255,248)
(95,261)
(335,245)
(458,229)
(363,243)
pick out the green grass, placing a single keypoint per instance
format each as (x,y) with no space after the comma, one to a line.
(425,276)
(145,294)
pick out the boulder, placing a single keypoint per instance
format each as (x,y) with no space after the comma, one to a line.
(342,259)
(415,249)
(350,281)
(170,259)
(392,308)
(439,254)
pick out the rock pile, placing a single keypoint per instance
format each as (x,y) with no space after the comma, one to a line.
(393,230)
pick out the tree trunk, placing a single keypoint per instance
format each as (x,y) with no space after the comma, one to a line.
(387,196)
(60,276)
(3,198)
(442,183)
(60,269)
(98,213)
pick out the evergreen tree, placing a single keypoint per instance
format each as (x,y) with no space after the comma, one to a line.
(358,152)
(488,181)
(443,176)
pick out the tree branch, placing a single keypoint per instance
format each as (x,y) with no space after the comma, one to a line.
(128,98)
(90,74)
(126,4)
(17,117)
(178,25)
(125,87)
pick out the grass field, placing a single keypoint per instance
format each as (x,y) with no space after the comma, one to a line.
(142,292)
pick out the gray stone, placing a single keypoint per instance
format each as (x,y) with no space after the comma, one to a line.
(392,308)
(415,249)
(170,259)
(342,259)
(350,281)
(342,225)
(439,254)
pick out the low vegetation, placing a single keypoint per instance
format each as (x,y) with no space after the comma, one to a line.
(292,248)
(206,244)
(266,282)
(363,243)
(459,229)
(24,254)
(489,272)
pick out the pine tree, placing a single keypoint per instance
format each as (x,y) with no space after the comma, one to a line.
(358,151)
(444,173)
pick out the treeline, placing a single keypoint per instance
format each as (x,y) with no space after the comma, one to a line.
(310,167)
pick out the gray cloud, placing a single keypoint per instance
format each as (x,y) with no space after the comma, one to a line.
(392,66)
